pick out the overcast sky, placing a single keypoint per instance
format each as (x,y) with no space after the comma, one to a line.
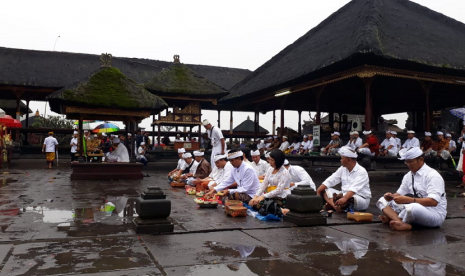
(241,34)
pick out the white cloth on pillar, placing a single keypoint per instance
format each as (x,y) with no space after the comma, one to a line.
(299,176)
(246,179)
(261,167)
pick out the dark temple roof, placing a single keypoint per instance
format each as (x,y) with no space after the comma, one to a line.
(376,32)
(180,79)
(248,126)
(58,69)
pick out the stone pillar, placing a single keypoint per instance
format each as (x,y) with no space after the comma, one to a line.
(153,209)
(304,205)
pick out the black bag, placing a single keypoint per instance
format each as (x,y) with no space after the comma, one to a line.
(270,207)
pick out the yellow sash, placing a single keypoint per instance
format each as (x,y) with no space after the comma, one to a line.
(272,188)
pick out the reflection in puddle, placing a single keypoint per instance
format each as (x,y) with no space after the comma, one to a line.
(51,215)
(239,250)
(5,182)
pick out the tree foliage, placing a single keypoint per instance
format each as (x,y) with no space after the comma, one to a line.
(53,122)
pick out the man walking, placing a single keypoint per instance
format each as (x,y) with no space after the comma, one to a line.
(49,147)
(217,141)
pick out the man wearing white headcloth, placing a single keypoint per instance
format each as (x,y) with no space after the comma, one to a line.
(355,141)
(371,145)
(334,145)
(260,144)
(220,173)
(452,144)
(427,144)
(299,176)
(420,199)
(355,187)
(260,166)
(190,166)
(284,144)
(120,152)
(389,146)
(74,145)
(440,148)
(181,165)
(411,141)
(140,157)
(217,140)
(203,169)
(398,141)
(244,175)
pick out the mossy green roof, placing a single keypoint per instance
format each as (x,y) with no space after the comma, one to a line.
(179,79)
(108,88)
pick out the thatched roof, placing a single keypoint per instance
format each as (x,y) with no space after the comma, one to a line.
(9,106)
(180,79)
(249,126)
(59,69)
(107,88)
(391,33)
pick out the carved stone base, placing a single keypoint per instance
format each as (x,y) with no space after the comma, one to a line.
(308,219)
(152,226)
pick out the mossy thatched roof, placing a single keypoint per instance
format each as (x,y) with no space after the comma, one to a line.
(107,88)
(180,79)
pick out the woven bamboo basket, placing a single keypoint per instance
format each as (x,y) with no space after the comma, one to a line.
(233,203)
(235,211)
(178,184)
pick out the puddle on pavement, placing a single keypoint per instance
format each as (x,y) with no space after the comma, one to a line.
(51,215)
(6,181)
(238,250)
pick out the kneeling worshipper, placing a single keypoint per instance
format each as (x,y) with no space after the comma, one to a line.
(420,199)
(354,181)
(411,141)
(440,148)
(260,166)
(398,141)
(389,146)
(180,167)
(299,176)
(284,145)
(190,168)
(276,185)
(334,145)
(219,173)
(203,168)
(120,152)
(243,174)
(371,145)
(50,147)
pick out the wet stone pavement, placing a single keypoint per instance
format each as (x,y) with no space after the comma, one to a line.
(51,225)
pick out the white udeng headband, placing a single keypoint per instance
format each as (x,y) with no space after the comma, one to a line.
(255,153)
(347,152)
(235,154)
(220,156)
(410,153)
(198,153)
(187,155)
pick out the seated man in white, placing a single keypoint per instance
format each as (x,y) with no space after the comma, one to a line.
(398,142)
(389,146)
(354,182)
(355,141)
(190,168)
(219,173)
(260,166)
(420,199)
(180,167)
(119,154)
(411,141)
(284,145)
(299,176)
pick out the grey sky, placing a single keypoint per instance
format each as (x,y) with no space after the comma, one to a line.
(241,34)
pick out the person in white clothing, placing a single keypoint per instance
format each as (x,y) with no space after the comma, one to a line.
(411,141)
(299,176)
(452,144)
(260,166)
(355,141)
(389,146)
(398,141)
(74,145)
(284,144)
(119,154)
(354,181)
(50,147)
(260,144)
(217,140)
(420,199)
(190,167)
(179,168)
(220,173)
(243,175)
(140,157)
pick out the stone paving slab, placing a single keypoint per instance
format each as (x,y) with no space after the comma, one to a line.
(77,256)
(4,249)
(450,253)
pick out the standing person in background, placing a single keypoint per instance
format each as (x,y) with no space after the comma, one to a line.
(49,147)
(217,141)
(74,145)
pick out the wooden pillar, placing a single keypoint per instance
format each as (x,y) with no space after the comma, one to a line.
(255,128)
(81,138)
(331,120)
(190,132)
(159,133)
(274,122)
(368,102)
(27,114)
(153,130)
(299,125)
(318,111)
(231,127)
(427,90)
(219,119)
(281,134)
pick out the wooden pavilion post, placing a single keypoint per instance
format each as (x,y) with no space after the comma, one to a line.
(231,127)
(219,119)
(427,90)
(368,81)
(81,137)
(299,125)
(255,125)
(153,130)
(331,120)
(190,132)
(281,134)
(274,122)
(27,114)
(318,97)
(159,133)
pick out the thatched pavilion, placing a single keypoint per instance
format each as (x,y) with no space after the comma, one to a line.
(369,57)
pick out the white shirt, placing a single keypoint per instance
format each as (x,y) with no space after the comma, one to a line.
(267,145)
(120,154)
(284,146)
(181,164)
(246,179)
(452,144)
(220,174)
(50,143)
(428,183)
(388,142)
(295,145)
(261,167)
(356,181)
(281,180)
(261,145)
(308,145)
(399,143)
(409,143)
(140,150)
(215,135)
(74,141)
(353,144)
(193,169)
(299,176)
